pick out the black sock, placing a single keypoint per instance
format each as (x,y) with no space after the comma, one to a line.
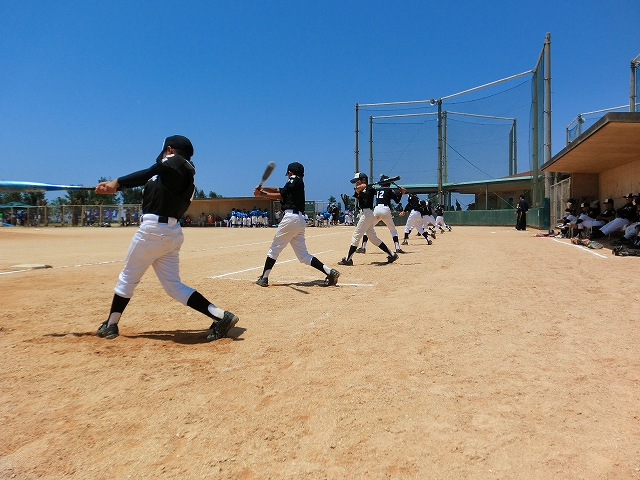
(118,304)
(384,248)
(268,264)
(315,263)
(199,303)
(352,250)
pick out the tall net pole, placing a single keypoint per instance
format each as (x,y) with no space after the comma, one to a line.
(547,113)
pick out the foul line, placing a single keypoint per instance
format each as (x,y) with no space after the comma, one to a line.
(584,249)
(259,267)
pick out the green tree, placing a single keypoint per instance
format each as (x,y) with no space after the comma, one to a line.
(88,197)
(132,196)
(34,198)
(349,202)
(214,195)
(199,194)
(11,197)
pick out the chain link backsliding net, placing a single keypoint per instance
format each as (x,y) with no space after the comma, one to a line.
(475,147)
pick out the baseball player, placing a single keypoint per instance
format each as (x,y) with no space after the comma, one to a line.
(414,209)
(624,216)
(427,217)
(291,227)
(384,196)
(440,218)
(168,190)
(365,194)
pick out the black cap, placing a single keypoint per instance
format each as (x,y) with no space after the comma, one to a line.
(608,200)
(585,204)
(296,168)
(359,176)
(630,195)
(179,143)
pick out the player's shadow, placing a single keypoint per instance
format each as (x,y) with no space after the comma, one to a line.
(187,337)
(295,285)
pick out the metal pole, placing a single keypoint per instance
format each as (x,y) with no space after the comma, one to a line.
(634,65)
(515,148)
(445,172)
(356,147)
(534,144)
(371,148)
(440,150)
(547,113)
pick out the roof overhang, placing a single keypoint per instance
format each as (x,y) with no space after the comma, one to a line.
(612,141)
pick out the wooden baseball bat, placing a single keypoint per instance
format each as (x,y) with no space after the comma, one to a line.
(267,173)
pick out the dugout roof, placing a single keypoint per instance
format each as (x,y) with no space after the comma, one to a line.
(612,141)
(516,183)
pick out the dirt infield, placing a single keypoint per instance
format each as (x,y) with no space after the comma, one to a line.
(490,354)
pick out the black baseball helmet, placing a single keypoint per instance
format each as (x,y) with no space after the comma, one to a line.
(360,176)
(383,177)
(296,168)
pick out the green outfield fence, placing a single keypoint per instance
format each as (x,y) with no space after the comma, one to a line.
(536,218)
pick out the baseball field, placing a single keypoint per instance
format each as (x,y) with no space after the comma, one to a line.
(491,354)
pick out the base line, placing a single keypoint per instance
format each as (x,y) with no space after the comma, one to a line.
(588,250)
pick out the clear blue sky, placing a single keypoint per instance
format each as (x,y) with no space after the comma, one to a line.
(90,89)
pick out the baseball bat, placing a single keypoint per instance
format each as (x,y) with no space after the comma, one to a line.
(11,186)
(387,180)
(267,172)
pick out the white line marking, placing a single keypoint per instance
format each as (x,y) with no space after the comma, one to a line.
(584,249)
(258,268)
(284,281)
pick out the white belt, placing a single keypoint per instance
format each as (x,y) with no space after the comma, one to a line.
(153,218)
(290,210)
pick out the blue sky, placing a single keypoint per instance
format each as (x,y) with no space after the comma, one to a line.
(91,89)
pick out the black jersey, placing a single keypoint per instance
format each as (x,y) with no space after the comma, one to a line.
(413,203)
(427,208)
(365,197)
(627,211)
(293,194)
(385,194)
(439,210)
(168,186)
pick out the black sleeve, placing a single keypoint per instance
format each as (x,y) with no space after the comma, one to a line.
(139,178)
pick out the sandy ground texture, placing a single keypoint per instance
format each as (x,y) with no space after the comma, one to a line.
(491,354)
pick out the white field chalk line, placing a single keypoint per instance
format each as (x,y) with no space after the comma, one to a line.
(584,249)
(258,268)
(281,281)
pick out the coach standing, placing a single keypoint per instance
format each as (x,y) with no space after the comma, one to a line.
(521,212)
(168,190)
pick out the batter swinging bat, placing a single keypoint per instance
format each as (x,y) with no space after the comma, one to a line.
(267,172)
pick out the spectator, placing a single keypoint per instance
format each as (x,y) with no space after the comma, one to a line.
(187,221)
(209,220)
(203,218)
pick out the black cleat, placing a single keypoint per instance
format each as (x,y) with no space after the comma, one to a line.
(107,331)
(332,278)
(262,281)
(220,328)
(400,251)
(405,242)
(361,250)
(346,262)
(392,258)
